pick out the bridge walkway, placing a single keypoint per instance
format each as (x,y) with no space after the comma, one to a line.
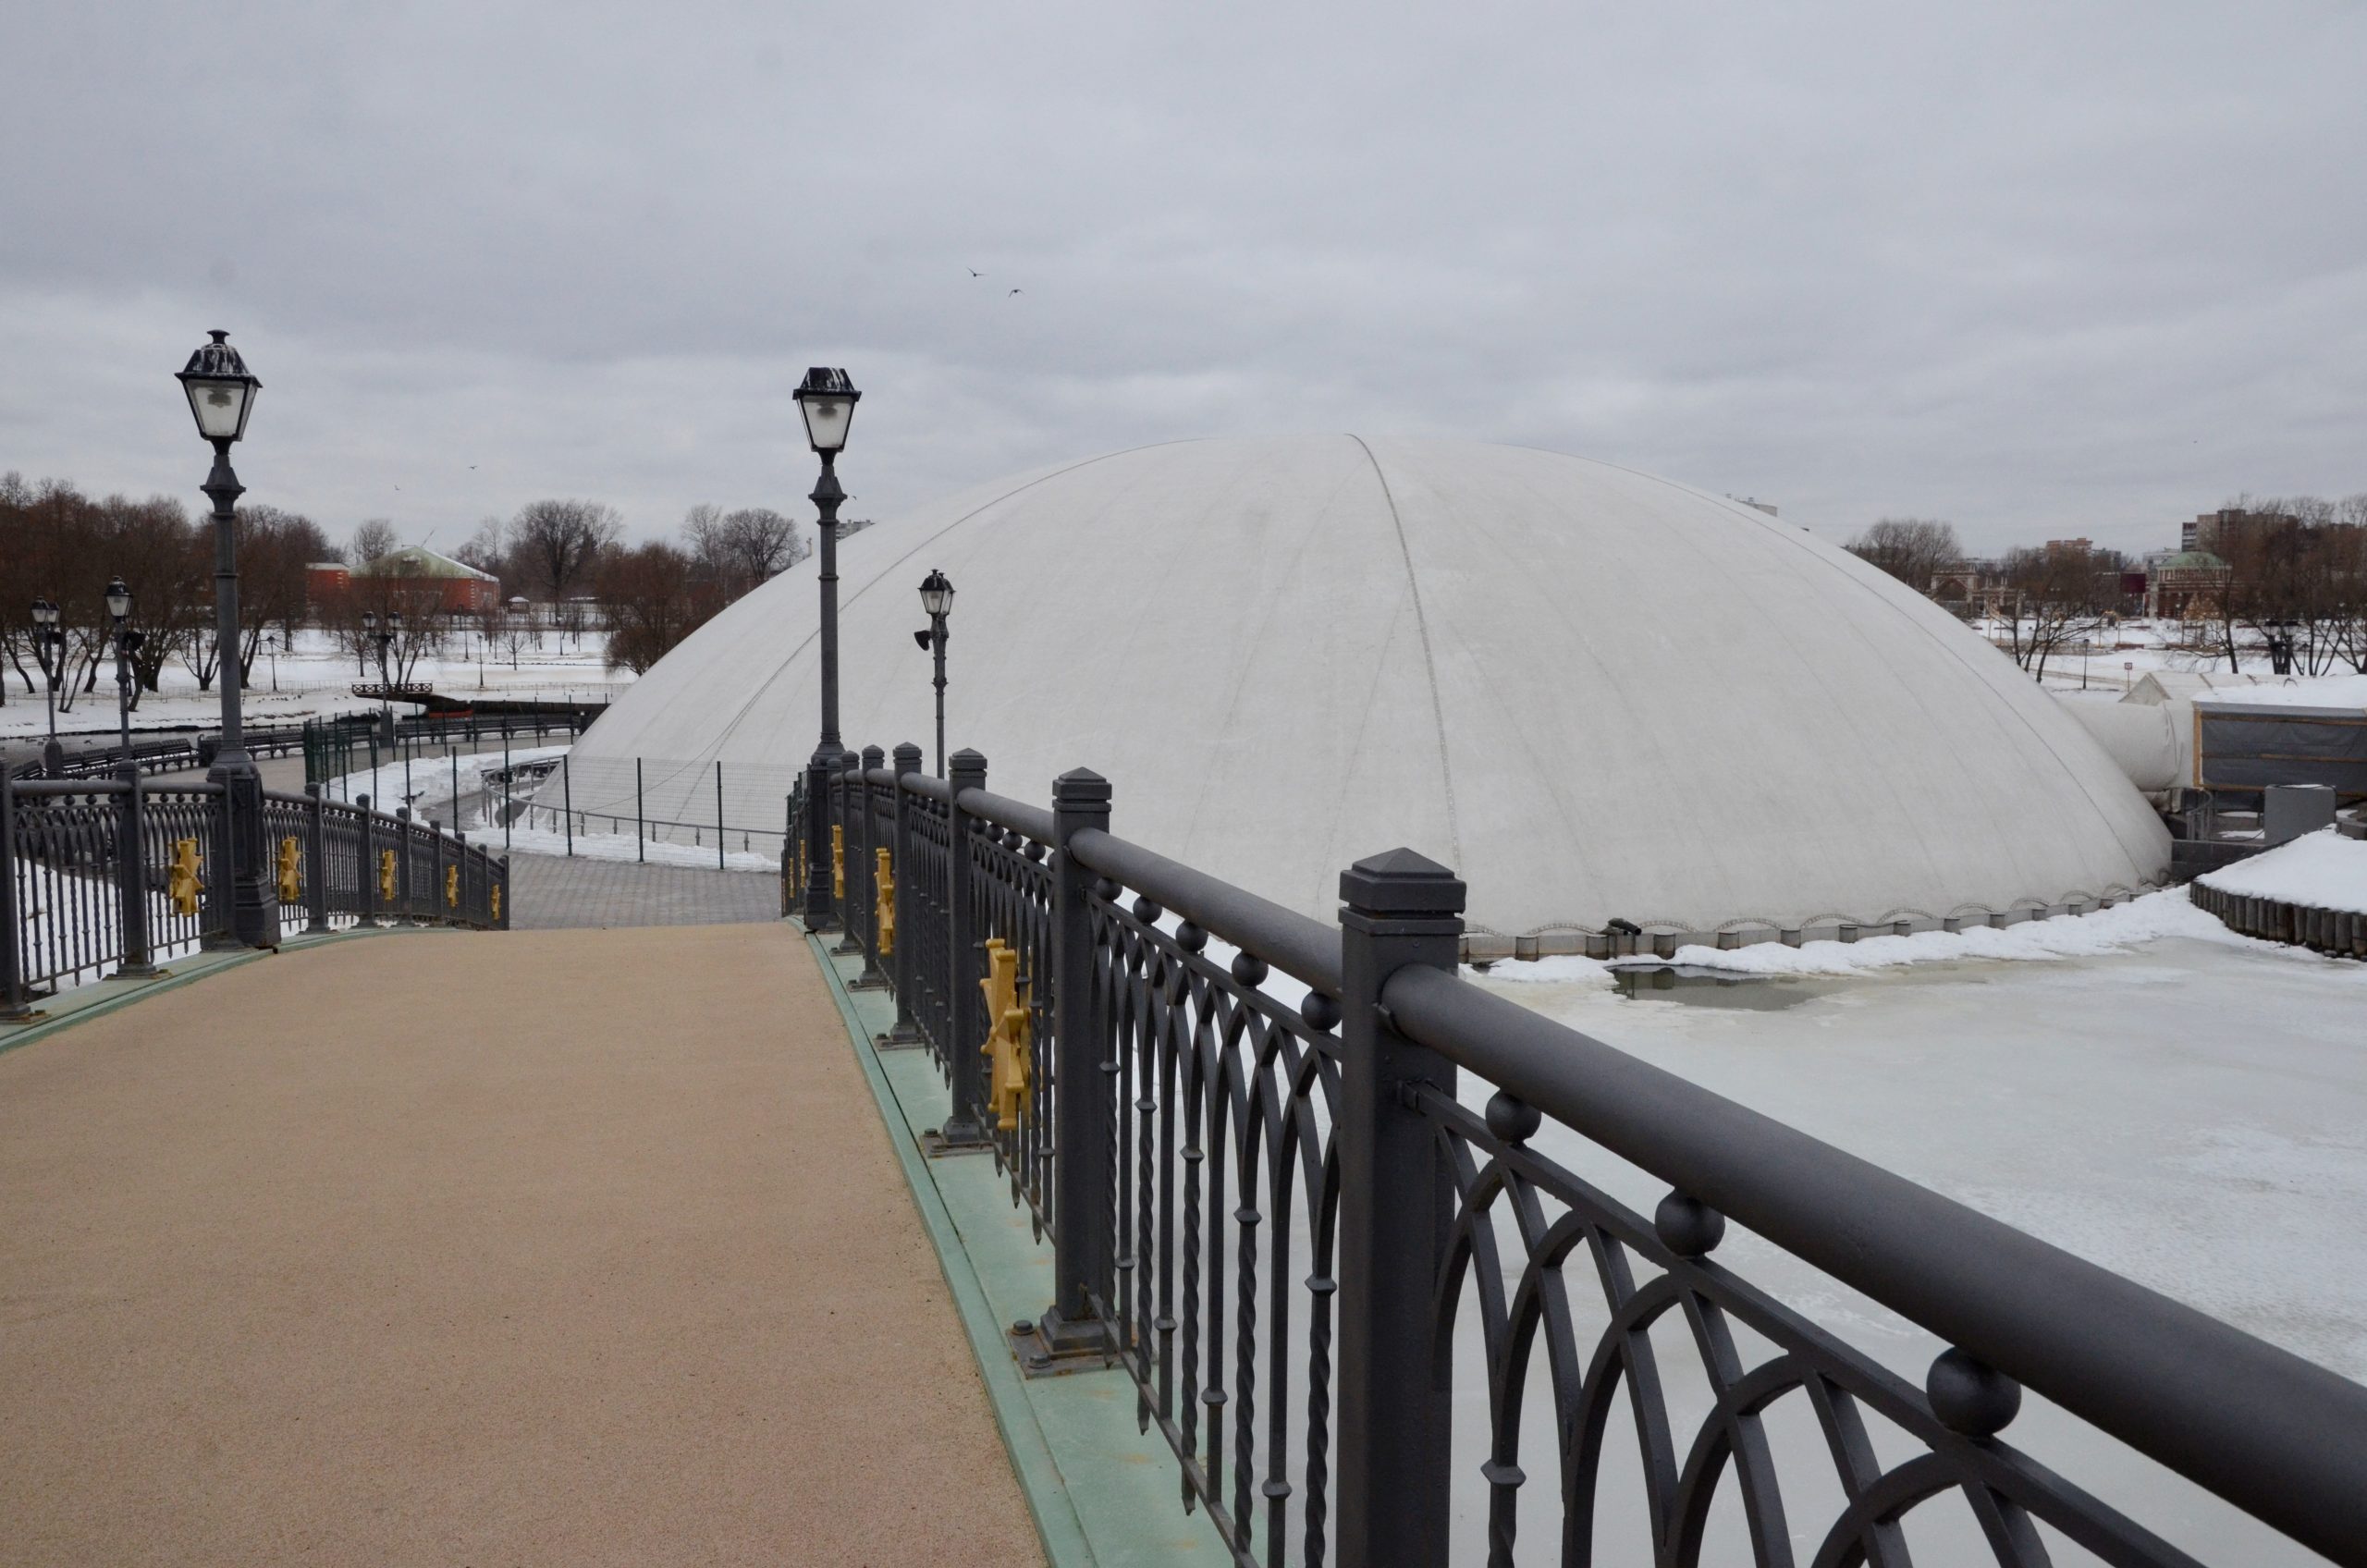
(563,1245)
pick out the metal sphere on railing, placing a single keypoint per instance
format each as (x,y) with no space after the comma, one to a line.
(1511,1119)
(1190,938)
(1688,1227)
(1970,1396)
(1320,1011)
(1249,969)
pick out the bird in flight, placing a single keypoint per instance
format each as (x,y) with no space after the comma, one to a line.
(1013,291)
(974,272)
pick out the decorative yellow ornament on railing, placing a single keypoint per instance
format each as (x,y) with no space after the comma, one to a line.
(180,876)
(452,887)
(838,863)
(386,875)
(496,892)
(291,871)
(1009,1047)
(884,881)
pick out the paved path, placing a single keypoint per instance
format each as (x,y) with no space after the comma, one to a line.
(313,1260)
(550,891)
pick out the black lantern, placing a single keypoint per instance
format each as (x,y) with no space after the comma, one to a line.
(937,595)
(826,398)
(221,391)
(118,599)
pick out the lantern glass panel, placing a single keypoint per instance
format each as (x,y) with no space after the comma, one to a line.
(220,407)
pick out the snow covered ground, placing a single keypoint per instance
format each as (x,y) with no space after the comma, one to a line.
(433,782)
(2177,1103)
(2324,691)
(317,678)
(2320,870)
(2122,929)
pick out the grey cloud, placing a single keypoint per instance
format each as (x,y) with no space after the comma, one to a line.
(2042,269)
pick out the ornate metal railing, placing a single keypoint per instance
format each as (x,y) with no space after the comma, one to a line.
(1298,1177)
(123,872)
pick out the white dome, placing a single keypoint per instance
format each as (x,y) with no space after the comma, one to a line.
(1592,693)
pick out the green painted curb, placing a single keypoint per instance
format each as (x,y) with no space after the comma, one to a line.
(1031,1457)
(185,972)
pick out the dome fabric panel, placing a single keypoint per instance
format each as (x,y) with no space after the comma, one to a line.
(1592,693)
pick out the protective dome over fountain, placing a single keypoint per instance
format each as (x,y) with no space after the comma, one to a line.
(1594,693)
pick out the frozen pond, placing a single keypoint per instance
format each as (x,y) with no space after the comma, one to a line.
(2191,1113)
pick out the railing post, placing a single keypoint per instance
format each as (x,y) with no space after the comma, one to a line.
(13,1005)
(501,880)
(317,851)
(907,1031)
(818,913)
(131,877)
(369,865)
(1085,1239)
(842,845)
(438,911)
(219,903)
(861,884)
(406,897)
(1396,1205)
(964,1006)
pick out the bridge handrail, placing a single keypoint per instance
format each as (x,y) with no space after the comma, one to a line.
(1410,1198)
(2281,1437)
(123,871)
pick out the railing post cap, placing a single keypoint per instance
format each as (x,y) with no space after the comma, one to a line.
(908,757)
(965,760)
(1080,786)
(1401,881)
(873,756)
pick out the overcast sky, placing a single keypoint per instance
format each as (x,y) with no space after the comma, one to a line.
(2041,269)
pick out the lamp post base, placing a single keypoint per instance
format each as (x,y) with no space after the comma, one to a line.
(255,912)
(1052,1346)
(956,1136)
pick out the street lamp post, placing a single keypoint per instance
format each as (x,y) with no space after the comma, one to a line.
(126,643)
(385,636)
(221,393)
(826,399)
(937,599)
(131,884)
(49,647)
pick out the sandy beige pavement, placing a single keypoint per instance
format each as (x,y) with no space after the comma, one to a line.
(316,1261)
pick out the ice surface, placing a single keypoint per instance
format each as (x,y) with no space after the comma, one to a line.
(2177,1104)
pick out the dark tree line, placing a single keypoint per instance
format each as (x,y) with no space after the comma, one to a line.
(58,543)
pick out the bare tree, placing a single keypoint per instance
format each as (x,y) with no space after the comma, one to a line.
(1913,549)
(559,541)
(274,547)
(2348,563)
(488,547)
(2060,594)
(655,596)
(739,550)
(373,537)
